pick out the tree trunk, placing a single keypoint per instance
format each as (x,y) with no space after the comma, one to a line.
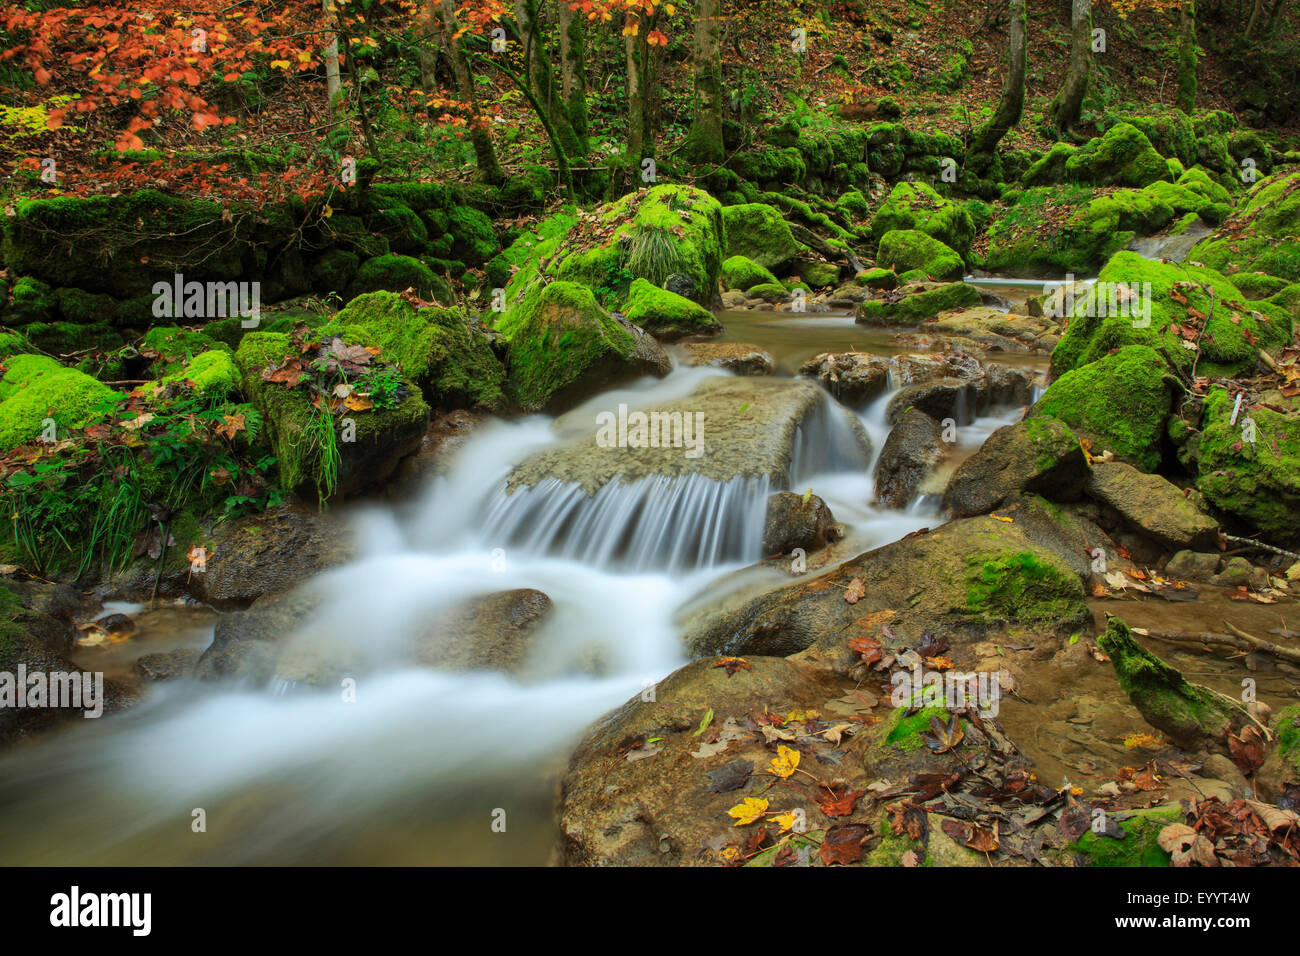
(633,49)
(332,85)
(1012,101)
(540,76)
(485,154)
(1068,102)
(704,142)
(1255,12)
(1187,57)
(573,70)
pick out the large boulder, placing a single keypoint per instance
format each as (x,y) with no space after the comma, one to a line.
(905,249)
(1160,306)
(940,398)
(315,453)
(438,348)
(1152,505)
(1262,235)
(759,233)
(854,378)
(914,447)
(667,315)
(918,206)
(564,347)
(1038,455)
(36,389)
(741,273)
(1123,156)
(1120,403)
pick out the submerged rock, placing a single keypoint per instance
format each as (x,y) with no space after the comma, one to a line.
(738,357)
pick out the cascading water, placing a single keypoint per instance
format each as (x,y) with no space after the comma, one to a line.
(419,766)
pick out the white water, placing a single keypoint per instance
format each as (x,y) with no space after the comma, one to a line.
(415,769)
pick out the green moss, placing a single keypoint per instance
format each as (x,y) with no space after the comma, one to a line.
(394,273)
(1119,402)
(759,233)
(905,249)
(1262,236)
(1022,587)
(1140,846)
(771,165)
(399,224)
(35,389)
(12,343)
(174,344)
(435,347)
(1257,285)
(1123,156)
(1198,181)
(877,278)
(526,249)
(1049,169)
(905,732)
(334,270)
(31,300)
(918,206)
(474,241)
(212,371)
(665,313)
(1186,712)
(1183,200)
(1287,726)
(918,305)
(1235,331)
(739,272)
(1259,481)
(819,275)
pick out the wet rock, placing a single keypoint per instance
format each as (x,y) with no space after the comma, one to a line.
(737,357)
(962,579)
(911,304)
(1008,385)
(943,398)
(798,521)
(1238,572)
(751,428)
(1153,505)
(1038,455)
(169,665)
(495,631)
(1192,566)
(997,330)
(268,553)
(447,434)
(914,447)
(854,378)
(1192,715)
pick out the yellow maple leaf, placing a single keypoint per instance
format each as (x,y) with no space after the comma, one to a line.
(784,820)
(749,811)
(1146,741)
(1002,518)
(279,64)
(729,853)
(785,762)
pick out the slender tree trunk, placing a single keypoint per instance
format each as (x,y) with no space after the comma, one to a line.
(1187,56)
(704,142)
(636,138)
(1255,12)
(540,75)
(573,70)
(1272,16)
(1012,101)
(485,154)
(331,55)
(1068,102)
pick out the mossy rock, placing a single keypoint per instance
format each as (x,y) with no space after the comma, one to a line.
(174,344)
(1119,402)
(474,240)
(1171,133)
(86,308)
(334,270)
(31,300)
(435,347)
(1257,285)
(1286,725)
(1235,329)
(1199,181)
(759,233)
(877,278)
(650,234)
(1140,846)
(1256,481)
(665,314)
(65,338)
(1123,156)
(918,206)
(912,304)
(563,346)
(1264,235)
(1024,586)
(819,275)
(1049,169)
(1183,200)
(1191,715)
(312,452)
(36,388)
(769,164)
(208,372)
(742,273)
(525,248)
(394,273)
(906,249)
(399,224)
(12,343)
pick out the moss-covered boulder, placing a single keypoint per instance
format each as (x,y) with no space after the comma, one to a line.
(36,389)
(1256,481)
(918,206)
(30,300)
(906,249)
(1123,156)
(1264,234)
(1199,181)
(1190,714)
(1049,169)
(334,270)
(474,242)
(208,372)
(665,314)
(1119,402)
(1039,455)
(916,302)
(316,453)
(440,349)
(563,346)
(759,232)
(394,273)
(742,274)
(1183,200)
(1161,305)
